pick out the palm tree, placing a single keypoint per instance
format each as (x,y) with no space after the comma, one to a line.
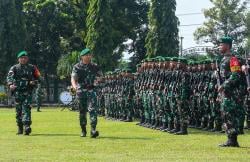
(66,63)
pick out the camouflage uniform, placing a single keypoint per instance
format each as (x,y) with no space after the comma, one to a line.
(230,72)
(22,77)
(86,74)
(38,96)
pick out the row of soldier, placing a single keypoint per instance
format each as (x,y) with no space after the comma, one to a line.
(168,94)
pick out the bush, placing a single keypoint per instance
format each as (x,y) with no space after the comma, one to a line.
(3,96)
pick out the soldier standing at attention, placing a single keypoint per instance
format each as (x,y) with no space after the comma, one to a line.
(83,76)
(21,80)
(38,97)
(230,73)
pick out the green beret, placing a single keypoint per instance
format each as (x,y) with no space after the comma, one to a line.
(128,70)
(175,59)
(85,52)
(226,40)
(151,59)
(22,53)
(208,61)
(108,73)
(160,58)
(147,59)
(167,59)
(182,60)
(213,60)
(190,62)
(138,65)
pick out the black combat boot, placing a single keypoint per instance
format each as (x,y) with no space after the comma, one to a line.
(241,130)
(142,120)
(20,129)
(129,119)
(27,130)
(231,142)
(183,130)
(148,124)
(94,133)
(248,125)
(217,128)
(123,118)
(170,127)
(210,126)
(176,129)
(84,131)
(155,124)
(164,126)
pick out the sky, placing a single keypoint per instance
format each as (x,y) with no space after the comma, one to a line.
(190,12)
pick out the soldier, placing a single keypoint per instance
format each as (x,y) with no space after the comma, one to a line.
(230,73)
(215,117)
(38,97)
(83,76)
(183,97)
(21,80)
(173,123)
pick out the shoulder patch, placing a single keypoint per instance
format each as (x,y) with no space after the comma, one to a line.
(235,64)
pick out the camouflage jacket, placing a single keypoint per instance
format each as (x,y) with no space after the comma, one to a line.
(85,74)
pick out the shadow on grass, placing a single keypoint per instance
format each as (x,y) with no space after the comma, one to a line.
(193,131)
(53,135)
(124,138)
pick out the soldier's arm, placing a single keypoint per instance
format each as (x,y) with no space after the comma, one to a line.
(36,76)
(10,77)
(235,74)
(74,78)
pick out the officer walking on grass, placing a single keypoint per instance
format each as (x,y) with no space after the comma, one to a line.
(22,79)
(83,76)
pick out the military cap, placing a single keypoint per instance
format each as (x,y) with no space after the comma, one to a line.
(190,62)
(213,61)
(208,61)
(85,52)
(167,58)
(159,58)
(127,70)
(175,59)
(147,59)
(226,40)
(182,60)
(22,53)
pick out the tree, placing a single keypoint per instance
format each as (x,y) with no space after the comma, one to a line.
(52,28)
(99,35)
(66,63)
(137,47)
(248,30)
(226,18)
(12,34)
(162,38)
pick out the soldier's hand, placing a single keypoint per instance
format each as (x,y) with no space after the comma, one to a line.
(12,87)
(220,89)
(32,83)
(248,89)
(244,68)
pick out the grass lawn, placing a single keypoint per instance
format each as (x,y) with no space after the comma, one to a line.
(55,137)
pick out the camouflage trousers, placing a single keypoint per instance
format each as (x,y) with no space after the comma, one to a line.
(183,111)
(23,108)
(230,118)
(87,103)
(38,102)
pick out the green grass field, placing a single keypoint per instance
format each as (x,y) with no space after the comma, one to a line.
(55,137)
